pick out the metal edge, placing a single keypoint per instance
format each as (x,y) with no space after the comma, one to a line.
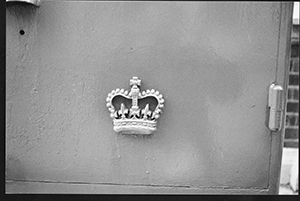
(277,138)
(25,187)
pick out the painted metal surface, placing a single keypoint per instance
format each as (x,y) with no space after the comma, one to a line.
(213,62)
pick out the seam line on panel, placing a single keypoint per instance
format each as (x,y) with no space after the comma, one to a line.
(141,185)
(278,42)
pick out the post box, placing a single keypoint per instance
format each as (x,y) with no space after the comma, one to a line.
(145,97)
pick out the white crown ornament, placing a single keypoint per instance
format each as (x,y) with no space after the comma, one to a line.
(125,109)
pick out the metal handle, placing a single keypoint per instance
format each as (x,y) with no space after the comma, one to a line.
(33,2)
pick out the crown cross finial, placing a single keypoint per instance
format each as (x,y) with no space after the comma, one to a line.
(135,81)
(134,120)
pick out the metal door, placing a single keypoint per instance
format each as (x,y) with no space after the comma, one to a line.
(213,63)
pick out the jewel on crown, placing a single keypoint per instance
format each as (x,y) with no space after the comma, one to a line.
(135,112)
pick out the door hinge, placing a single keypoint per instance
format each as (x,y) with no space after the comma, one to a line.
(275,100)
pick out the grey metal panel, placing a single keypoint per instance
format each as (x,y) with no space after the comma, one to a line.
(212,61)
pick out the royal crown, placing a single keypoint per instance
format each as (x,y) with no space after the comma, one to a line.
(134,112)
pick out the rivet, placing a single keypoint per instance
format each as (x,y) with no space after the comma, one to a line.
(22,32)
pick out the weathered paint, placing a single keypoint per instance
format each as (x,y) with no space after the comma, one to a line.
(213,62)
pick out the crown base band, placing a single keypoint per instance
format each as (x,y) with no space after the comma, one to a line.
(134,126)
(141,130)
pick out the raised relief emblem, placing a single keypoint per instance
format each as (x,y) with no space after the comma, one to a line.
(135,112)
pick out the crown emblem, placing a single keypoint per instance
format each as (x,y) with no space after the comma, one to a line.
(135,112)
